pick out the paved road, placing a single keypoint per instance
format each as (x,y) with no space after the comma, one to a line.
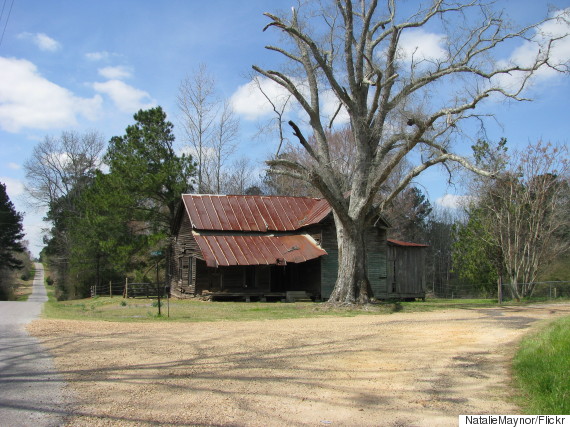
(31,391)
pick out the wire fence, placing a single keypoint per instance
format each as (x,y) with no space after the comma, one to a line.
(127,289)
(542,290)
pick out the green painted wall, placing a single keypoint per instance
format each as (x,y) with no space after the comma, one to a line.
(376,261)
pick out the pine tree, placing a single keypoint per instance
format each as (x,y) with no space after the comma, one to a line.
(11,232)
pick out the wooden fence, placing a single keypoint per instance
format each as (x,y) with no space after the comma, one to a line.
(128,289)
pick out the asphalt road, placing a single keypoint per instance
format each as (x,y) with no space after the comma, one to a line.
(32,393)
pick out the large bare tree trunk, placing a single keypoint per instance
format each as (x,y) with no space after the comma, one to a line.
(352,284)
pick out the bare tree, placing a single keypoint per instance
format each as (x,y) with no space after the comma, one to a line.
(58,165)
(354,52)
(223,145)
(198,104)
(211,128)
(238,178)
(279,106)
(526,211)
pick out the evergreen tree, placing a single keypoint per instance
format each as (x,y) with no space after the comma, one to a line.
(11,232)
(144,166)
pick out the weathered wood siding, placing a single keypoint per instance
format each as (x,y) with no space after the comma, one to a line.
(185,251)
(376,258)
(406,278)
(329,263)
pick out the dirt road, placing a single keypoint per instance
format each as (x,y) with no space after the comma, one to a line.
(417,369)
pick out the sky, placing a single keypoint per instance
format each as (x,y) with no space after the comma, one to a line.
(90,65)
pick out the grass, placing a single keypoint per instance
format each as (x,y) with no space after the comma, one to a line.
(24,287)
(137,309)
(542,370)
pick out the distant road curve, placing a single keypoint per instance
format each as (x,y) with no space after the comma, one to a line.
(32,393)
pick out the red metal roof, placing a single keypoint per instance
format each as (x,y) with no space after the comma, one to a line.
(407,244)
(253,213)
(247,249)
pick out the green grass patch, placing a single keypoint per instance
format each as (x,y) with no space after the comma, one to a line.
(137,309)
(24,287)
(542,370)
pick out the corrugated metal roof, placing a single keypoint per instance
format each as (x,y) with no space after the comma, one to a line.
(247,249)
(408,244)
(317,213)
(253,213)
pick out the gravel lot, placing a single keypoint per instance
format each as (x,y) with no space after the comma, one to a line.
(420,369)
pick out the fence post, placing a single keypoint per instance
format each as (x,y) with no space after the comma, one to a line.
(500,289)
(126,290)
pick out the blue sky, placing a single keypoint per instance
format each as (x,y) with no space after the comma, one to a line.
(83,65)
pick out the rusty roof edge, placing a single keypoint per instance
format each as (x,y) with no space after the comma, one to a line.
(406,244)
(187,210)
(314,242)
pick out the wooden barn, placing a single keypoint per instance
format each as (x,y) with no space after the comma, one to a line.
(266,247)
(406,270)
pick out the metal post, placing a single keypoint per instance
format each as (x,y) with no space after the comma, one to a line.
(157,288)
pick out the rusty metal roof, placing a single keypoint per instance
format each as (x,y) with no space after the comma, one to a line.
(406,244)
(253,213)
(246,249)
(317,213)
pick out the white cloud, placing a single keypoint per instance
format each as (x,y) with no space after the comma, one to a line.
(453,201)
(14,166)
(28,100)
(14,187)
(42,41)
(418,44)
(329,105)
(127,98)
(113,73)
(248,100)
(97,56)
(525,54)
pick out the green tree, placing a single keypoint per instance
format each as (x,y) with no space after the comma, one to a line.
(520,219)
(11,232)
(145,167)
(475,258)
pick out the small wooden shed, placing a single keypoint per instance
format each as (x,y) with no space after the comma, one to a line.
(406,270)
(263,247)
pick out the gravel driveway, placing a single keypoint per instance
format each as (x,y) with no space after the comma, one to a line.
(420,369)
